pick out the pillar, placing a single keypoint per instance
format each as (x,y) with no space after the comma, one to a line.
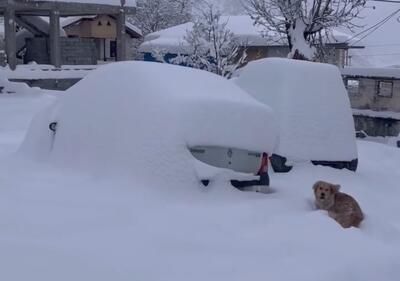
(9,30)
(55,41)
(121,36)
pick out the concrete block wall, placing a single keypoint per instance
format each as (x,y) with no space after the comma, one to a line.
(367,97)
(78,51)
(37,50)
(73,51)
(377,127)
(49,84)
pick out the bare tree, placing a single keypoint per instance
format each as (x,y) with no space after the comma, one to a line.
(154,15)
(302,22)
(210,45)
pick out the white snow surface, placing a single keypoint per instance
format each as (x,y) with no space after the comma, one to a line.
(377,114)
(133,118)
(58,224)
(311,104)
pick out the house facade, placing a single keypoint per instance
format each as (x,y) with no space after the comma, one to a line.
(171,42)
(375,99)
(102,30)
(26,19)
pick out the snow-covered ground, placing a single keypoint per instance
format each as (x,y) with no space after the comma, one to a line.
(64,225)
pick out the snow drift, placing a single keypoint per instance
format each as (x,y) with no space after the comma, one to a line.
(311,106)
(138,118)
(63,226)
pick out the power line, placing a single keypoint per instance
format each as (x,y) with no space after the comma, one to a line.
(369,28)
(373,28)
(388,1)
(382,45)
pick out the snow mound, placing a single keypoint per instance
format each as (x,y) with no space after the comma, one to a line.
(311,105)
(139,118)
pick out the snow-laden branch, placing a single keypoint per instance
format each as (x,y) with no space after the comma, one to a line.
(301,20)
(210,45)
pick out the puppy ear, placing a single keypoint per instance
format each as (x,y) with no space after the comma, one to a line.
(315,186)
(335,188)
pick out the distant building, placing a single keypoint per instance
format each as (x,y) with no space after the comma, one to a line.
(375,98)
(29,36)
(102,29)
(171,42)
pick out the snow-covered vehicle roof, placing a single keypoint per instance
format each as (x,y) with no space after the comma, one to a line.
(311,105)
(242,26)
(141,117)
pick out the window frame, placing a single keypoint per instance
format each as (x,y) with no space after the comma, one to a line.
(352,89)
(378,88)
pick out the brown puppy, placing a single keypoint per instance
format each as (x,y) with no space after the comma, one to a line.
(340,206)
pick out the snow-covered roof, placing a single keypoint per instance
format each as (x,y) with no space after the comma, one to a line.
(71,20)
(372,72)
(242,26)
(129,3)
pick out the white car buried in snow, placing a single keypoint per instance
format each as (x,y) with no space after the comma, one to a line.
(312,110)
(152,121)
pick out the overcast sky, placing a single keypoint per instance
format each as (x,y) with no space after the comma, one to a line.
(383,45)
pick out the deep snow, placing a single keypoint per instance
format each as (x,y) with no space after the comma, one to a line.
(62,225)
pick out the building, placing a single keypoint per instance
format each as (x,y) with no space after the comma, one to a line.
(375,98)
(171,41)
(47,39)
(103,30)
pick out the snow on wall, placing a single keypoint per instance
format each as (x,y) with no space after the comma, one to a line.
(311,105)
(138,119)
(376,114)
(43,71)
(372,72)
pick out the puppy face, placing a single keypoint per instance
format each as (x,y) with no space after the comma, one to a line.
(325,194)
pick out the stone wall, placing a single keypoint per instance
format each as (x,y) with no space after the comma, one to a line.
(74,51)
(374,126)
(366,96)
(49,84)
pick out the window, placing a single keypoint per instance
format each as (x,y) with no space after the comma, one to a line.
(384,89)
(352,86)
(109,23)
(99,23)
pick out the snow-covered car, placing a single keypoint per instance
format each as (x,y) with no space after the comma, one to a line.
(158,121)
(312,110)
